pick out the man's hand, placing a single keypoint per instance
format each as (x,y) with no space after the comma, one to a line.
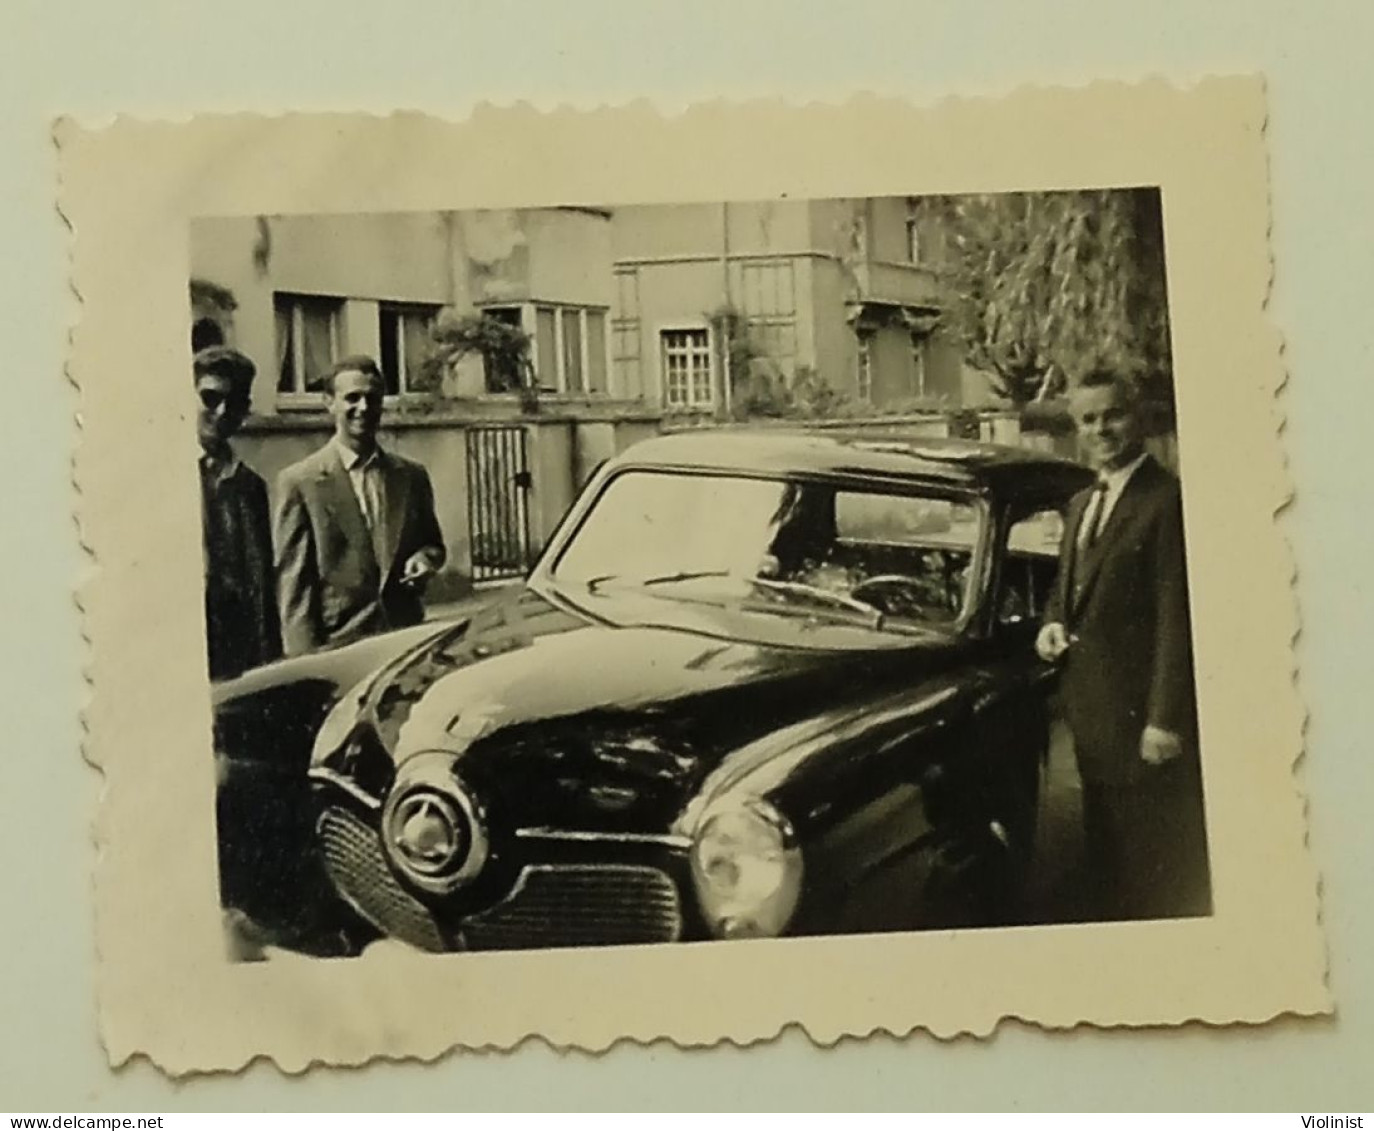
(418,570)
(1052,642)
(1158,746)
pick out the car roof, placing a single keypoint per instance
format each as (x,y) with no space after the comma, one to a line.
(896,454)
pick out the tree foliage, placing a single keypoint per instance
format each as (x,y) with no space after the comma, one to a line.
(1047,286)
(211,298)
(504,349)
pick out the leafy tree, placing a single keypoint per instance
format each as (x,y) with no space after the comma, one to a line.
(211,298)
(212,313)
(1046,286)
(504,349)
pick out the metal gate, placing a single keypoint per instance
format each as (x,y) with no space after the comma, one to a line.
(499,481)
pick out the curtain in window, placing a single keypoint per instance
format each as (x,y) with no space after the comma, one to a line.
(317,344)
(286,367)
(415,327)
(546,349)
(596,351)
(572,351)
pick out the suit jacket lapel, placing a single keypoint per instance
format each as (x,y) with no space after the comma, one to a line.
(396,491)
(337,491)
(1071,565)
(1089,563)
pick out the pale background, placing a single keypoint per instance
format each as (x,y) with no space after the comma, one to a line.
(171,59)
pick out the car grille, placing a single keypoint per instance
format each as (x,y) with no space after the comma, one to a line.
(353,856)
(580,905)
(549,905)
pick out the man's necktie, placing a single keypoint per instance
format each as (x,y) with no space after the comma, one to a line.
(1092,518)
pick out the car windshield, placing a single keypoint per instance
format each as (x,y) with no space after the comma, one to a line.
(886,556)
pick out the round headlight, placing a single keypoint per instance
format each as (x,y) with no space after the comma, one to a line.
(432,830)
(747,870)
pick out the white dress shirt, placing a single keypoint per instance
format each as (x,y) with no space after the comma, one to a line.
(365,477)
(1110,484)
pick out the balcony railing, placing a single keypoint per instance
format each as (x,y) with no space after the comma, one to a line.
(898,284)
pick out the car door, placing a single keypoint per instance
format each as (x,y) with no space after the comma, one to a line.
(1011,711)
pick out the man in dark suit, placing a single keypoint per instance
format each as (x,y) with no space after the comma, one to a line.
(357,536)
(1118,622)
(241,624)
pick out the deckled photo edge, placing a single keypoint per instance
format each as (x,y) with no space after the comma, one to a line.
(763,1030)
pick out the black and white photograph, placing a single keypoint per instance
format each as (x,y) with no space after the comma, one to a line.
(666,557)
(594,576)
(861,574)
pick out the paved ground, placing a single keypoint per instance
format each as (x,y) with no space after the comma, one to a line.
(1055,894)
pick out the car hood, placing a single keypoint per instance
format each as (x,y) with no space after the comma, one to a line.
(612,721)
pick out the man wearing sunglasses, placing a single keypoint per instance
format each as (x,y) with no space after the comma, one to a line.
(241,623)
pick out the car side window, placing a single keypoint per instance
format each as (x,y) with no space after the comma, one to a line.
(923,544)
(1029,564)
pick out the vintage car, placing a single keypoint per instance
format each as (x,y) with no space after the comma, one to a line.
(759,683)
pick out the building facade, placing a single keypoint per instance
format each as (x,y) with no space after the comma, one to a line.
(688,308)
(845,293)
(633,314)
(308,290)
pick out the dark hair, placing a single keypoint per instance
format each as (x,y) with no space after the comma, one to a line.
(356,363)
(1109,379)
(229,364)
(206,332)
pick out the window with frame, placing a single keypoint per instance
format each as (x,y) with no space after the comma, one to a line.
(309,340)
(1030,563)
(768,291)
(864,372)
(567,350)
(913,240)
(918,366)
(625,331)
(687,368)
(404,344)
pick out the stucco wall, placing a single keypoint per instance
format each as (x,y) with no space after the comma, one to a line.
(833,226)
(945,371)
(893,368)
(447,259)
(549,255)
(932,236)
(551,461)
(673,296)
(835,345)
(402,256)
(397,257)
(222,252)
(568,256)
(887,235)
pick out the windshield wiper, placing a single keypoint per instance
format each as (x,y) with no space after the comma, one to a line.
(688,575)
(811,593)
(800,589)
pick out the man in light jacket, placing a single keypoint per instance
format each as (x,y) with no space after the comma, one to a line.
(357,539)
